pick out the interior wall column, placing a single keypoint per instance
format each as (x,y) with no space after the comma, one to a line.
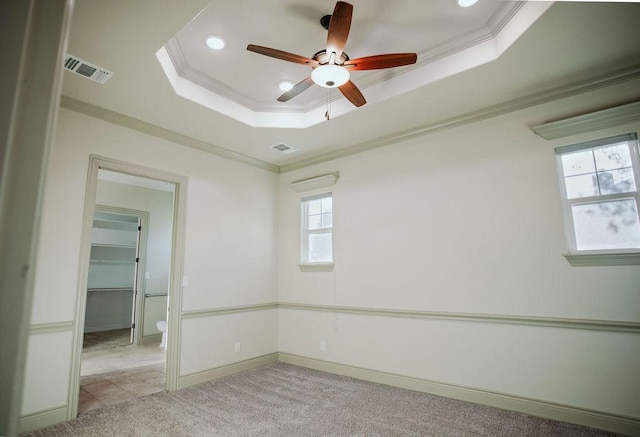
(33,43)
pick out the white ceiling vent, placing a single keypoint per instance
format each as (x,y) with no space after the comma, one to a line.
(86,69)
(284,148)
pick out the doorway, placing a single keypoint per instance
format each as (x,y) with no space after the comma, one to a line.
(131,260)
(127,290)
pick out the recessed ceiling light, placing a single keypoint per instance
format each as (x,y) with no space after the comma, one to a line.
(215,42)
(285,85)
(467,3)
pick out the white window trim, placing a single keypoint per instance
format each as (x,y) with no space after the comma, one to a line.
(305,265)
(610,257)
(316,267)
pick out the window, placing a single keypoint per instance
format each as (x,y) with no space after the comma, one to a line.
(317,227)
(599,182)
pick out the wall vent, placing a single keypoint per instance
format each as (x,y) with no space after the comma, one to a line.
(284,148)
(86,69)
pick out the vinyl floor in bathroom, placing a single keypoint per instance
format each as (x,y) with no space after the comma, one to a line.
(110,376)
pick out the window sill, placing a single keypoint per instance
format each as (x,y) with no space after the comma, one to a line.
(317,267)
(603,259)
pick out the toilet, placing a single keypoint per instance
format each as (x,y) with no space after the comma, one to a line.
(162,327)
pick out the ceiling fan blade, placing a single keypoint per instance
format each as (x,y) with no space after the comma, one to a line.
(297,89)
(339,28)
(279,54)
(352,93)
(377,62)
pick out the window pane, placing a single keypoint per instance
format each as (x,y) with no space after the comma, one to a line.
(315,221)
(613,157)
(607,225)
(616,181)
(314,206)
(327,204)
(327,220)
(320,248)
(579,162)
(581,186)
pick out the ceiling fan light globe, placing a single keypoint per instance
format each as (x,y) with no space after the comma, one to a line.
(330,76)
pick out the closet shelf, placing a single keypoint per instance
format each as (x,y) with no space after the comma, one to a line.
(115,246)
(112,261)
(121,224)
(110,289)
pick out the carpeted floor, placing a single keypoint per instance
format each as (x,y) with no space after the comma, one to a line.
(284,400)
(94,341)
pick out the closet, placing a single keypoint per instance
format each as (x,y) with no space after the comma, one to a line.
(111,285)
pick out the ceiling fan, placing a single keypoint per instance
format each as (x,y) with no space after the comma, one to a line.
(332,66)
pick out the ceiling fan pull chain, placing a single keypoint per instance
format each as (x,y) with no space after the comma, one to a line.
(330,101)
(327,114)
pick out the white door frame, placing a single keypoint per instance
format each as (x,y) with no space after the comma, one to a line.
(142,251)
(176,272)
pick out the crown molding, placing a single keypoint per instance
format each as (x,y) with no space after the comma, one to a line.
(499,109)
(503,108)
(476,47)
(160,132)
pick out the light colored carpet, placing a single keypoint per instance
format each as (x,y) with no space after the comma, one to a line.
(284,400)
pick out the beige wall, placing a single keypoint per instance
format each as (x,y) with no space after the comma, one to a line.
(230,247)
(466,220)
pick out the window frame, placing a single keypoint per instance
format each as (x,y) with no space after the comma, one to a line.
(305,264)
(620,256)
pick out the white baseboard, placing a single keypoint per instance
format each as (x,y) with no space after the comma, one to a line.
(42,419)
(548,410)
(219,372)
(152,338)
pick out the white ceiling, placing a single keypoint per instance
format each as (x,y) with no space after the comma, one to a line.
(434,30)
(497,52)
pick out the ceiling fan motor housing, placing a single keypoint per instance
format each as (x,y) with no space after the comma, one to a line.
(323,58)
